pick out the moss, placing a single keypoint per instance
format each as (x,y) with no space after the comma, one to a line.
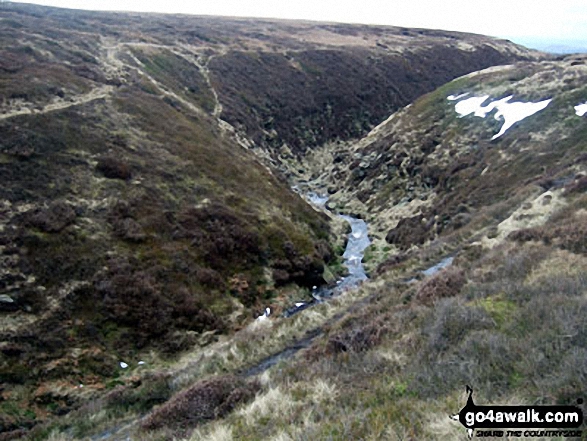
(499,308)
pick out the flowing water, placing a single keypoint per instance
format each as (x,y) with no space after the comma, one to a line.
(358,241)
(353,255)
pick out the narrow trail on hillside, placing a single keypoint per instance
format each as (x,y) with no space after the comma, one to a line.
(163,89)
(33,109)
(202,61)
(198,56)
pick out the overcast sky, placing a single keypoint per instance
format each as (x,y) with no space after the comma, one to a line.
(545,19)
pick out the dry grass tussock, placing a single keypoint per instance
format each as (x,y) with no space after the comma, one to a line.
(218,432)
(274,401)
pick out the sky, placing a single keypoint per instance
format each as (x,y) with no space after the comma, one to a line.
(545,21)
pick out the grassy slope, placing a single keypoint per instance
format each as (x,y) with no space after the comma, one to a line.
(130,224)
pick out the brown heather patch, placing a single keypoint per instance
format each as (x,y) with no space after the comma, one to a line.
(204,401)
(358,338)
(446,283)
(568,234)
(114,168)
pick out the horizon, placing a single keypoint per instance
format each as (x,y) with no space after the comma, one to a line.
(534,24)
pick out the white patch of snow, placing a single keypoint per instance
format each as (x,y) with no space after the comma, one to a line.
(514,112)
(581,109)
(510,113)
(470,105)
(123,365)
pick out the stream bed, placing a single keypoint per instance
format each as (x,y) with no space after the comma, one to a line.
(357,243)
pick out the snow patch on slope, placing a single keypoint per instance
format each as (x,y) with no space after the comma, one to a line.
(581,109)
(509,112)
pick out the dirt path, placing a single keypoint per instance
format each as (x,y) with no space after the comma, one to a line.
(115,66)
(32,109)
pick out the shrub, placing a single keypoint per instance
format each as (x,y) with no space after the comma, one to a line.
(409,231)
(482,358)
(114,168)
(358,338)
(452,320)
(527,235)
(569,234)
(391,263)
(152,389)
(129,229)
(54,218)
(445,283)
(205,400)
(572,235)
(135,300)
(577,186)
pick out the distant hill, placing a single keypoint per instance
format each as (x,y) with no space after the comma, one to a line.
(554,46)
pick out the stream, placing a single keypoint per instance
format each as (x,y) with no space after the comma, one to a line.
(353,260)
(358,241)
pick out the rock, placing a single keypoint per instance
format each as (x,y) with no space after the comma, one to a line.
(331,205)
(7,303)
